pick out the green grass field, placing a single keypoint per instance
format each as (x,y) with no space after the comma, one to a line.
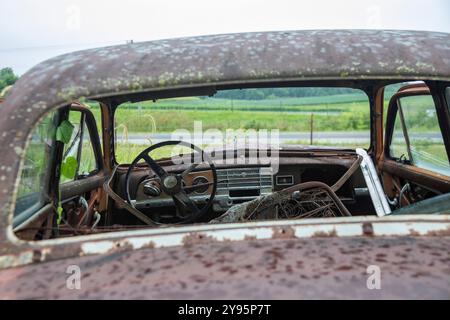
(292,115)
(346,112)
(333,103)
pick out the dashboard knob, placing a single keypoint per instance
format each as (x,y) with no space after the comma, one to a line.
(151,189)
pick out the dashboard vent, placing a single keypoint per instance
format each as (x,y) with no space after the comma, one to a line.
(244,179)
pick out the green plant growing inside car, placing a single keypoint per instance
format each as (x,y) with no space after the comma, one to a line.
(69,166)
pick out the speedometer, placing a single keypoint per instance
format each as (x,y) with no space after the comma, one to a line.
(200,181)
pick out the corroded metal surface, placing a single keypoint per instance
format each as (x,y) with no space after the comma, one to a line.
(370,226)
(414,268)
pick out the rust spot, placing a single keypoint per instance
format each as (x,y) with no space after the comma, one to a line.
(323,234)
(344,268)
(197,238)
(414,233)
(37,255)
(229,269)
(367,229)
(123,246)
(290,245)
(289,269)
(441,233)
(283,233)
(148,245)
(420,274)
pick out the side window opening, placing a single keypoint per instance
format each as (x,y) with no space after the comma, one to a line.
(78,157)
(87,163)
(398,147)
(63,135)
(31,194)
(389,92)
(417,137)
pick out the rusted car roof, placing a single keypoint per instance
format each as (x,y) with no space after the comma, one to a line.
(245,57)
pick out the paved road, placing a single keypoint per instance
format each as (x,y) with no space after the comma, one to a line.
(284,137)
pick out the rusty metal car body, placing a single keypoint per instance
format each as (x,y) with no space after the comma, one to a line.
(306,258)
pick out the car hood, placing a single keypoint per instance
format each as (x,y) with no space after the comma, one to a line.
(286,268)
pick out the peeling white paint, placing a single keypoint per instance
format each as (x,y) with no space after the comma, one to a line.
(97,247)
(180,235)
(395,228)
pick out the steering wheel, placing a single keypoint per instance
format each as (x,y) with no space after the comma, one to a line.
(174,184)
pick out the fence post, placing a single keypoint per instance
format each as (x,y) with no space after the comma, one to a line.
(311,125)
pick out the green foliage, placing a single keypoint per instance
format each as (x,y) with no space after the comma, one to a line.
(271,93)
(7,78)
(70,164)
(69,167)
(64,131)
(346,116)
(333,103)
(59,212)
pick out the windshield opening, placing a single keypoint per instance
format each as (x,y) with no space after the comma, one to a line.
(310,116)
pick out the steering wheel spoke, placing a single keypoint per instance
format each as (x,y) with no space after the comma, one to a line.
(189,169)
(160,172)
(186,201)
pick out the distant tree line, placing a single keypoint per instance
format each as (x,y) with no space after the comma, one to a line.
(7,78)
(268,93)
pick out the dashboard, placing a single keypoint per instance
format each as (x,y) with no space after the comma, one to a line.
(236,185)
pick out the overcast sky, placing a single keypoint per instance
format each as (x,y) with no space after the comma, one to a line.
(32,31)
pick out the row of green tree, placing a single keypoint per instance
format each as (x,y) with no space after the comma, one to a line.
(268,93)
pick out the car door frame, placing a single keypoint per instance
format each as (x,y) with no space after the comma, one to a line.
(391,167)
(94,180)
(63,192)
